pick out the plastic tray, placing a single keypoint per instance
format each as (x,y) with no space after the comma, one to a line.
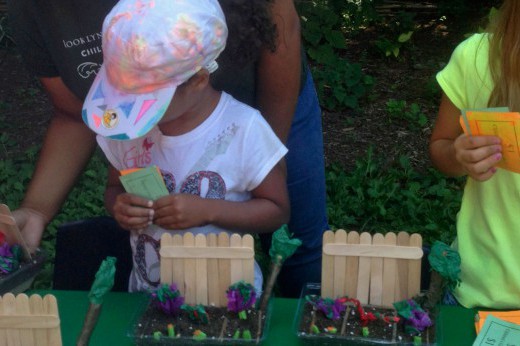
(335,339)
(21,279)
(147,339)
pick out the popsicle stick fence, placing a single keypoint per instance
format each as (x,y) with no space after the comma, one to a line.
(29,320)
(378,270)
(203,266)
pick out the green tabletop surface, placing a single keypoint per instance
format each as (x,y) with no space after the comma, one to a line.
(455,324)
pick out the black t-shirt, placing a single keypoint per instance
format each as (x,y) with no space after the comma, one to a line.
(63,38)
(60,38)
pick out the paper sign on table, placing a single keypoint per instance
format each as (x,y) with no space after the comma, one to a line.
(496,122)
(496,332)
(509,316)
(144,182)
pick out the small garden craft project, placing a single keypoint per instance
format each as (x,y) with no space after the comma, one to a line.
(206,293)
(369,283)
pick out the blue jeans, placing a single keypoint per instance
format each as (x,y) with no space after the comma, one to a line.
(306,184)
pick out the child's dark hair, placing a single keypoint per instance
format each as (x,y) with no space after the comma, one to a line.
(250,28)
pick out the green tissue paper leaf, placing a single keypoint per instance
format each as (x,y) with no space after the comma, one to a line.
(282,246)
(104,281)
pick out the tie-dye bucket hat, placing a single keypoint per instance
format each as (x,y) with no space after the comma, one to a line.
(149,48)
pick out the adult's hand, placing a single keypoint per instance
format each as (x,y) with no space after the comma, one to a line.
(31,224)
(66,150)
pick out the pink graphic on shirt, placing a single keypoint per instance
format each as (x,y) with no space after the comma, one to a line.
(147,145)
(139,155)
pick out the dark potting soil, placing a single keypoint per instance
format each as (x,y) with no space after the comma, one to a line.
(380,332)
(221,326)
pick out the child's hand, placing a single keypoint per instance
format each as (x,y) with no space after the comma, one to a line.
(478,155)
(179,211)
(133,212)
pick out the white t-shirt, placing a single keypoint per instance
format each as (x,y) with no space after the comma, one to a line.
(225,157)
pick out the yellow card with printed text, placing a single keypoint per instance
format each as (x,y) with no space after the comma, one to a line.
(505,125)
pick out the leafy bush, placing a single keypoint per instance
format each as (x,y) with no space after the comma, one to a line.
(397,33)
(378,196)
(412,115)
(340,84)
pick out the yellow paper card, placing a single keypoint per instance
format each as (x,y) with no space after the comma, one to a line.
(505,125)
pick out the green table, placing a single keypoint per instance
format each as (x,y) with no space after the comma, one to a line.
(455,324)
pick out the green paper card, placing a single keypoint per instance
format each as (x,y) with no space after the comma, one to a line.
(145,182)
(498,332)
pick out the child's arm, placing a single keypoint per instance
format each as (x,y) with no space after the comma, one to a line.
(130,211)
(455,154)
(265,212)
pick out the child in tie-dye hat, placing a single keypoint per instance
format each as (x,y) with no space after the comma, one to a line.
(152,104)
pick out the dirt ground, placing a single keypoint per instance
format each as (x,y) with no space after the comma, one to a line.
(347,135)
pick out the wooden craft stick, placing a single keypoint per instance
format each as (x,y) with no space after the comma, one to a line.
(223,329)
(213,296)
(235,243)
(376,274)
(193,252)
(340,263)
(3,332)
(352,268)
(190,274)
(166,263)
(224,268)
(27,321)
(313,321)
(259,331)
(401,284)
(201,265)
(9,308)
(327,268)
(40,335)
(345,319)
(394,329)
(364,270)
(51,306)
(12,233)
(23,320)
(385,251)
(390,272)
(248,265)
(178,266)
(414,267)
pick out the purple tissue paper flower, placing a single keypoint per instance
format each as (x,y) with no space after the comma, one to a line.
(332,308)
(5,250)
(241,296)
(168,299)
(420,320)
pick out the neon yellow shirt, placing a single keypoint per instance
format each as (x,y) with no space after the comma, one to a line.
(488,223)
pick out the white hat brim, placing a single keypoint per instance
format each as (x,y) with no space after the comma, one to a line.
(122,116)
